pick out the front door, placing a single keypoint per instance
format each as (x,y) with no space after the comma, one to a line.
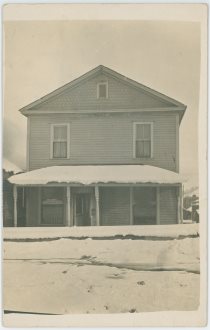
(82,209)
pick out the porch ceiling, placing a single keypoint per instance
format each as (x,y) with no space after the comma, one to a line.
(105,174)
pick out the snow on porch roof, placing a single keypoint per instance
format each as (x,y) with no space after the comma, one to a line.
(88,175)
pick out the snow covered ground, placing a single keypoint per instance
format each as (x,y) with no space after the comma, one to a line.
(68,276)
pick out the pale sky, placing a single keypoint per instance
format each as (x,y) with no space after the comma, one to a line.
(41,56)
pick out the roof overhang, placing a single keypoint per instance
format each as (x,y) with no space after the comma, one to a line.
(97,174)
(179,110)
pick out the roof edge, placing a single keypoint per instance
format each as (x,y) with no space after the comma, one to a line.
(179,110)
(93,72)
(100,174)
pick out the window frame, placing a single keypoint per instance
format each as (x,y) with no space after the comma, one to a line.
(102,83)
(52,140)
(134,139)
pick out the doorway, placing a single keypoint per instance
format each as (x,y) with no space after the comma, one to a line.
(82,209)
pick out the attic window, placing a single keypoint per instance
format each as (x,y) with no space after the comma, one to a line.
(102,90)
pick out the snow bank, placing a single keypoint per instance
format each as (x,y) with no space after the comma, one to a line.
(120,252)
(98,174)
(171,231)
(10,167)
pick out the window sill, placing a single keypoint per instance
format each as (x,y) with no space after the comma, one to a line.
(144,158)
(66,158)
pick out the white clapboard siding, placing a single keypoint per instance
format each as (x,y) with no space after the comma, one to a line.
(103,139)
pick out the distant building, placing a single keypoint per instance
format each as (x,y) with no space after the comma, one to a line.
(191,208)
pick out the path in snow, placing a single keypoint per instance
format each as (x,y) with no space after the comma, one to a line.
(188,267)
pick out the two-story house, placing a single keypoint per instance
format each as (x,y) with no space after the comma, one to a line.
(102,150)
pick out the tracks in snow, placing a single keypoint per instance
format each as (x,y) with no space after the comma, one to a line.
(189,268)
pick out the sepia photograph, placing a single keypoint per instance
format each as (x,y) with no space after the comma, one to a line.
(104,143)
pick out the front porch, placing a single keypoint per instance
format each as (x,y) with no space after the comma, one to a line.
(79,202)
(107,205)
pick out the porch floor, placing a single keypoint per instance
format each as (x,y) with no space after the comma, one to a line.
(156,231)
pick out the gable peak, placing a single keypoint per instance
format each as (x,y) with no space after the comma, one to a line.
(102,69)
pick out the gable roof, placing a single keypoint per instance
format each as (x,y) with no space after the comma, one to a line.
(174,104)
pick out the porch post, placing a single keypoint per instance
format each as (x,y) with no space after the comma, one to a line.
(97,206)
(23,197)
(181,203)
(131,205)
(158,205)
(15,204)
(68,195)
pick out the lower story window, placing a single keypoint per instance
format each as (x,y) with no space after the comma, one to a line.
(52,206)
(59,149)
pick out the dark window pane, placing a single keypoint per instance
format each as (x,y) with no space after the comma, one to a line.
(147,131)
(52,205)
(52,215)
(60,133)
(102,90)
(143,132)
(59,149)
(79,204)
(147,148)
(139,149)
(52,193)
(139,132)
(143,149)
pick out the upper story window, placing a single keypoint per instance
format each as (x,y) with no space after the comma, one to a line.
(60,134)
(143,140)
(102,90)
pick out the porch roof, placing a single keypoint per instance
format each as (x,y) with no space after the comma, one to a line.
(94,174)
